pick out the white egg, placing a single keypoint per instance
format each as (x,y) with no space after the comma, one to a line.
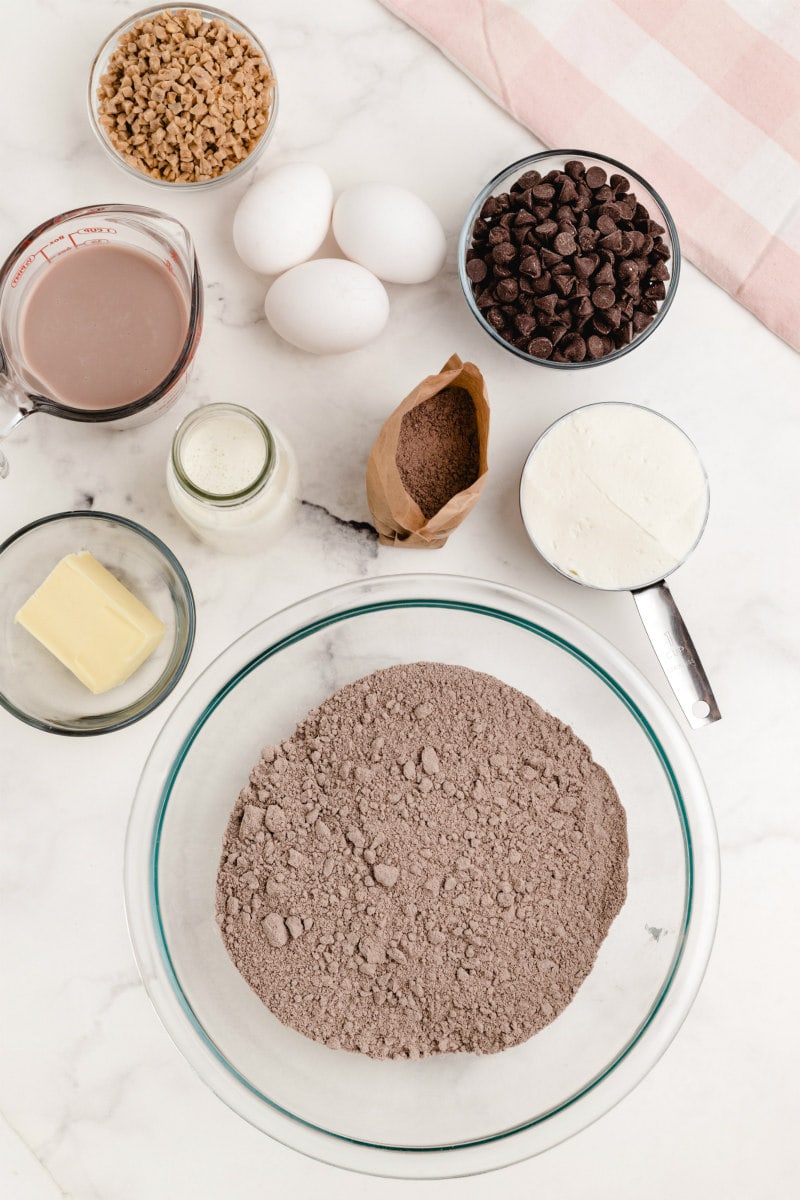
(390,231)
(327,306)
(283,219)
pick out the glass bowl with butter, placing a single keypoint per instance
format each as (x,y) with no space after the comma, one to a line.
(97,623)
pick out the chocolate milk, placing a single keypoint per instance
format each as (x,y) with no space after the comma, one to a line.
(102,326)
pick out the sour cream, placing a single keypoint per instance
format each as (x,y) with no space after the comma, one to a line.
(614,496)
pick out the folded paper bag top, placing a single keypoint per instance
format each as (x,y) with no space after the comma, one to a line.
(398,517)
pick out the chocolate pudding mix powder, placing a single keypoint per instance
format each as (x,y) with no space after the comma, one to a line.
(429,864)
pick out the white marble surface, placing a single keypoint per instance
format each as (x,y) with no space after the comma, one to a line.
(96,1103)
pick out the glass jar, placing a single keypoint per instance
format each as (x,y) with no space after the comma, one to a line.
(233,480)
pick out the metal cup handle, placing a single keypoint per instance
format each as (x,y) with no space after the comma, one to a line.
(676,652)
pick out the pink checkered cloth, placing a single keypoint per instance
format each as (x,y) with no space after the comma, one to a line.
(701,97)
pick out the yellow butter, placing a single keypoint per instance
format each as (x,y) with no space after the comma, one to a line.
(91,622)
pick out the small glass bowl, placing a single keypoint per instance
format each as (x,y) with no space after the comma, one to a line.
(452,1114)
(100,65)
(34,685)
(549,160)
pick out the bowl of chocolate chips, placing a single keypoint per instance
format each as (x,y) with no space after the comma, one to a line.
(569,259)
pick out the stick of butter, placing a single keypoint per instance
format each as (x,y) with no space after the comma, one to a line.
(91,622)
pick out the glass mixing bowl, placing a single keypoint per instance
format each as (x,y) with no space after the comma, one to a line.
(549,160)
(451,1114)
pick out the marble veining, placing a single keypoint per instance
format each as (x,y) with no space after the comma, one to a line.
(95,1102)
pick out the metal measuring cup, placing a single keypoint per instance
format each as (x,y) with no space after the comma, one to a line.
(98,224)
(662,621)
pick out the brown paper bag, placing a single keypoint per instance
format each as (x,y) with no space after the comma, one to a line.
(398,519)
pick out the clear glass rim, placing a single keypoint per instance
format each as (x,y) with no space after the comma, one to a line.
(152,953)
(639,587)
(521,165)
(106,49)
(224,499)
(185,633)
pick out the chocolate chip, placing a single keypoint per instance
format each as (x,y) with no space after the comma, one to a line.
(620,184)
(507,290)
(477,270)
(587,238)
(573,347)
(540,347)
(504,253)
(498,235)
(595,177)
(627,272)
(547,304)
(605,224)
(656,291)
(586,265)
(605,276)
(531,265)
(524,325)
(575,168)
(603,297)
(547,229)
(550,258)
(564,243)
(612,241)
(594,346)
(584,308)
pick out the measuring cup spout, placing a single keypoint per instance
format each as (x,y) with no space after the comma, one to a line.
(676,652)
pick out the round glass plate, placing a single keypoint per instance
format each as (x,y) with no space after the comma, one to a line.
(450,1114)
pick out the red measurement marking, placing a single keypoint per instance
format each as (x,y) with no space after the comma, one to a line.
(92,229)
(31,258)
(54,242)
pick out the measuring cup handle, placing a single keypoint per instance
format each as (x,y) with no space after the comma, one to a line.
(676,653)
(18,416)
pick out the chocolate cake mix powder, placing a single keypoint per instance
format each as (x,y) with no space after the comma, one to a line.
(438,453)
(429,864)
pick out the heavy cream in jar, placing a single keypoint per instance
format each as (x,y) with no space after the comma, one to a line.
(232,480)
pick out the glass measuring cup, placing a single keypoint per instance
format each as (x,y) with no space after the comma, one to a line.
(663,622)
(128,225)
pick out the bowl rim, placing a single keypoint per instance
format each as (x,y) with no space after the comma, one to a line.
(166,683)
(105,50)
(521,165)
(151,952)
